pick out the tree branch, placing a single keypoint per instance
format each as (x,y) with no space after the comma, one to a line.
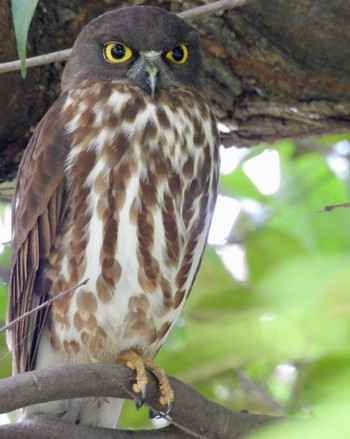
(332,207)
(47,428)
(212,8)
(191,411)
(35,61)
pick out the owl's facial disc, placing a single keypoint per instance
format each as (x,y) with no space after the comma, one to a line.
(148,47)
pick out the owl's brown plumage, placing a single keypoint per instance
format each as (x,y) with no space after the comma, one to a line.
(117,185)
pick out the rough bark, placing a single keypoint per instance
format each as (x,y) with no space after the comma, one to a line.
(192,415)
(273,70)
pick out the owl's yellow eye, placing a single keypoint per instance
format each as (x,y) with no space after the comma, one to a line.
(116,52)
(179,55)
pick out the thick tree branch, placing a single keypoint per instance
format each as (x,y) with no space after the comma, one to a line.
(191,411)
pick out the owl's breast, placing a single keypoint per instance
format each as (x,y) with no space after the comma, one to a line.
(143,177)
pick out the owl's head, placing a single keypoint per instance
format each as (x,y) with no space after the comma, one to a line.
(148,47)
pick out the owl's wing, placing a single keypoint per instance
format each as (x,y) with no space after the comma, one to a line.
(39,204)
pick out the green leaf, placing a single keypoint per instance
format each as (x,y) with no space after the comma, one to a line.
(331,139)
(309,303)
(5,356)
(5,256)
(328,392)
(22,13)
(237,184)
(268,246)
(212,281)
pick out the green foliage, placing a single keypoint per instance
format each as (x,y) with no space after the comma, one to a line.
(277,342)
(22,13)
(5,357)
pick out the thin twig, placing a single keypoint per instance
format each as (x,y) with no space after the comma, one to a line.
(211,8)
(40,60)
(43,305)
(62,55)
(333,207)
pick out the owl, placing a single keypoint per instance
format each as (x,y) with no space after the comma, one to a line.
(117,186)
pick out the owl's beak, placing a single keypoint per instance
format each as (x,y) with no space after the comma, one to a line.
(146,72)
(151,79)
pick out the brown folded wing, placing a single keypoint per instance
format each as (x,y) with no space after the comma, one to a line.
(39,205)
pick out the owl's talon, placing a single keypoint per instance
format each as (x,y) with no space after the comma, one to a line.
(135,362)
(140,403)
(170,406)
(143,393)
(163,415)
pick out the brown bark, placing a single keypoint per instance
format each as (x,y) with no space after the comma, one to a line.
(273,70)
(192,414)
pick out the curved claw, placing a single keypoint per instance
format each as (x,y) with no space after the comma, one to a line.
(143,397)
(138,405)
(170,406)
(163,415)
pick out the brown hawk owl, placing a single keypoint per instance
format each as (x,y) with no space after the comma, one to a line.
(117,185)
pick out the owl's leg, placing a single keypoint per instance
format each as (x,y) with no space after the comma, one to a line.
(139,364)
(136,363)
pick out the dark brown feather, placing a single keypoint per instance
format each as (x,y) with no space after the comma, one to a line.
(39,204)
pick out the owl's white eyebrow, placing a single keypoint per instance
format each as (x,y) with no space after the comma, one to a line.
(151,54)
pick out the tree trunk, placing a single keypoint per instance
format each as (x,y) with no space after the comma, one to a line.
(273,70)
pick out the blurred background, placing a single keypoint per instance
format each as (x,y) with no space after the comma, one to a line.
(266,328)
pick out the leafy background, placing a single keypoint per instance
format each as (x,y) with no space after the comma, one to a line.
(276,342)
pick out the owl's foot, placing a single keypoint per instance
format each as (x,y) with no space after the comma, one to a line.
(139,364)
